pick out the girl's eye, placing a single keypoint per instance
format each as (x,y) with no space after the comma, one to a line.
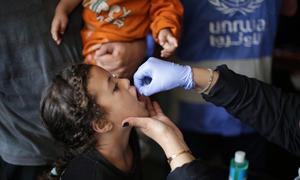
(116,88)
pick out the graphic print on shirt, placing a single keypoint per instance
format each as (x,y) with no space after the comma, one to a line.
(114,14)
(236,31)
(233,6)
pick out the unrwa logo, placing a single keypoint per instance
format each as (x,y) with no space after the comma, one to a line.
(231,7)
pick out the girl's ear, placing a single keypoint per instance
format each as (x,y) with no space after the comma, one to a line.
(102,126)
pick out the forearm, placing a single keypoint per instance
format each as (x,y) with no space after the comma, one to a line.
(201,78)
(272,112)
(67,6)
(184,166)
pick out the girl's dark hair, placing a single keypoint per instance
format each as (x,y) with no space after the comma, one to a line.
(68,110)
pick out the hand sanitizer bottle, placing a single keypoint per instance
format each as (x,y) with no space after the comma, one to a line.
(238,166)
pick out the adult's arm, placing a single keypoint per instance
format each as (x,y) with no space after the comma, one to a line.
(273,113)
(163,131)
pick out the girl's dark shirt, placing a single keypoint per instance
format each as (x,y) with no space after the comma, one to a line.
(92,165)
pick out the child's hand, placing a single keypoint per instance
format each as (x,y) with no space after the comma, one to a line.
(58,26)
(167,41)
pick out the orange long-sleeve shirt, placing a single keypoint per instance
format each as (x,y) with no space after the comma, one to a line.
(127,20)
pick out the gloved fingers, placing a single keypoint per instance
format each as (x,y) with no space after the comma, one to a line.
(142,75)
(149,80)
(137,83)
(150,61)
(151,87)
(144,86)
(146,90)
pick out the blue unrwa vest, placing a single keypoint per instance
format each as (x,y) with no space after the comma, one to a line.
(239,33)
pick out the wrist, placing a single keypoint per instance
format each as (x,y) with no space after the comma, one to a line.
(176,151)
(62,8)
(61,11)
(181,160)
(204,79)
(164,30)
(188,78)
(172,144)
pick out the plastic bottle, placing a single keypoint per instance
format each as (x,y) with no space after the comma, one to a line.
(238,166)
(298,177)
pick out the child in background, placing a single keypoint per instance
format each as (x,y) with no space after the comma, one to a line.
(122,20)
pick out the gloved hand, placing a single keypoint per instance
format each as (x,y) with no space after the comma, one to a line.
(156,75)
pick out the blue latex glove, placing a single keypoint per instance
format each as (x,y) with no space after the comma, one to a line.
(156,75)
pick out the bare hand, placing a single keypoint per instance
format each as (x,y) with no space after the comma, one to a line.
(168,42)
(58,26)
(120,58)
(163,131)
(159,128)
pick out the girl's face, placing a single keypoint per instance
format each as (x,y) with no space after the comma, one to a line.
(116,96)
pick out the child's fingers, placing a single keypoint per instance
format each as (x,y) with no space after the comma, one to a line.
(57,30)
(170,46)
(62,28)
(58,41)
(54,36)
(101,51)
(94,48)
(165,53)
(172,41)
(54,30)
(89,59)
(107,48)
(162,39)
